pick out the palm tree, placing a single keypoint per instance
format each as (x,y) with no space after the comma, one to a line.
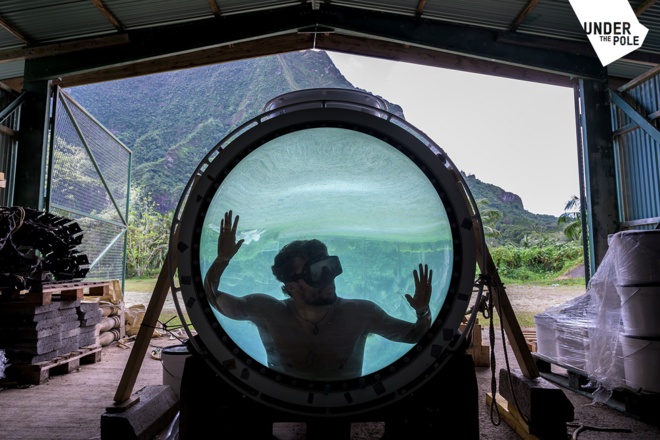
(571,219)
(489,216)
(536,239)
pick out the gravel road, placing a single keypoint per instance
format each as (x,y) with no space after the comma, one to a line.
(536,299)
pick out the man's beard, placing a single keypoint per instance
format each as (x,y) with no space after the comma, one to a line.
(322,300)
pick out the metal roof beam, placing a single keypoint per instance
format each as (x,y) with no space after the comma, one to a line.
(62,48)
(230,52)
(427,57)
(461,39)
(153,43)
(149,44)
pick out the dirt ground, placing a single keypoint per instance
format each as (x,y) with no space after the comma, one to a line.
(536,299)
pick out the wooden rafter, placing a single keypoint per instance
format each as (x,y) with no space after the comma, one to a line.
(531,4)
(639,10)
(6,88)
(7,131)
(15,32)
(420,8)
(108,15)
(62,48)
(215,8)
(15,84)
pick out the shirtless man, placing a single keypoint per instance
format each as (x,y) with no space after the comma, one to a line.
(313,334)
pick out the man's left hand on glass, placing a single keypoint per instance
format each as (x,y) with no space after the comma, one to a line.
(423,279)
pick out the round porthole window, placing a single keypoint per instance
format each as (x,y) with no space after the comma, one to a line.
(345,217)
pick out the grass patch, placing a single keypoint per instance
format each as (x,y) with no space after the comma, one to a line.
(139,284)
(579,281)
(525,319)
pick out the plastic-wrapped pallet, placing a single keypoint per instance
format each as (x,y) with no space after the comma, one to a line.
(636,257)
(546,335)
(574,326)
(616,359)
(3,363)
(563,331)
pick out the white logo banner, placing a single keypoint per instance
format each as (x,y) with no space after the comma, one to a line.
(611,26)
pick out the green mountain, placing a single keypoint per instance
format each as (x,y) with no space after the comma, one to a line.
(171,120)
(516,222)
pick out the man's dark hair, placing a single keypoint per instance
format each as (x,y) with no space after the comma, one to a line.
(307,249)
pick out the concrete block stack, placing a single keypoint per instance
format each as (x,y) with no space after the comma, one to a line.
(30,334)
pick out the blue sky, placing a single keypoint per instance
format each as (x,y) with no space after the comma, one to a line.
(518,135)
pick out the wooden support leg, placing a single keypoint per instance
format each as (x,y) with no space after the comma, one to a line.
(509,321)
(143,338)
(501,301)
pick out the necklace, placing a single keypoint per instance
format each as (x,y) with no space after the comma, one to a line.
(315,330)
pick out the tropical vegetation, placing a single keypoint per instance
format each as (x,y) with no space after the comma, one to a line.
(571,219)
(148,236)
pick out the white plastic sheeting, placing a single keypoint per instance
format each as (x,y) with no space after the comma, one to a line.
(612,332)
(3,363)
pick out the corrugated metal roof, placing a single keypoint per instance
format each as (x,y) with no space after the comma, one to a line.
(624,69)
(135,14)
(651,19)
(8,40)
(554,19)
(231,7)
(497,15)
(403,7)
(13,69)
(43,21)
(35,23)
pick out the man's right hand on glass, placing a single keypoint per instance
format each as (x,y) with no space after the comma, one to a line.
(227,244)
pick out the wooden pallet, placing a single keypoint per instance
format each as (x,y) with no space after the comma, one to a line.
(568,377)
(58,291)
(511,416)
(640,405)
(37,374)
(530,338)
(480,353)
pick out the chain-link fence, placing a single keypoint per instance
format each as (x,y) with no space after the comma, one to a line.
(89,183)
